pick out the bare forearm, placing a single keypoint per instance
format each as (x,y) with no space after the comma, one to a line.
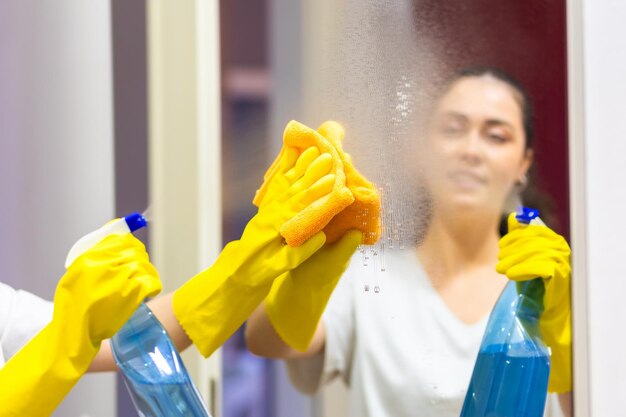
(162,309)
(565,400)
(263,340)
(103,362)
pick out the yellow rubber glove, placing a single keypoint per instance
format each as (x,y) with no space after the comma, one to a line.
(96,296)
(290,167)
(298,298)
(531,251)
(214,304)
(313,219)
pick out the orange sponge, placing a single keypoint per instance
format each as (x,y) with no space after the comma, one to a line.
(316,216)
(353,203)
(364,213)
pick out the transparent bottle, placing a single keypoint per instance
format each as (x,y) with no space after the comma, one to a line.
(155,376)
(510,377)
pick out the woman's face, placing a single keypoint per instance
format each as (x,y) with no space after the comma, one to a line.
(477,145)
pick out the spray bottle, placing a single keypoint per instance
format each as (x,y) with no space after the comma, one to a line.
(155,376)
(510,377)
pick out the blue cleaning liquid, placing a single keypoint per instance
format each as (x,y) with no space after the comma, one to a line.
(523,394)
(511,373)
(179,400)
(155,375)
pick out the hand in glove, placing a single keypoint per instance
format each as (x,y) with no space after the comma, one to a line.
(531,251)
(213,304)
(96,296)
(298,298)
(287,169)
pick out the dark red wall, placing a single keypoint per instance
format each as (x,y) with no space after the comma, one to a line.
(526,38)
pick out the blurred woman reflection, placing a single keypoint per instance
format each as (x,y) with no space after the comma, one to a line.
(410,349)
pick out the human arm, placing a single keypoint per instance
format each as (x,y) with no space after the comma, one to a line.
(298,298)
(565,402)
(288,324)
(330,352)
(262,339)
(94,298)
(532,251)
(162,308)
(214,303)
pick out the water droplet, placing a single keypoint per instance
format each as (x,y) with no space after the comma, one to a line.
(376,289)
(367,288)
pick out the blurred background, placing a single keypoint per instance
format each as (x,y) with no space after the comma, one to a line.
(92,127)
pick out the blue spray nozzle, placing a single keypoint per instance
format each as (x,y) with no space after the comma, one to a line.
(526,214)
(135,221)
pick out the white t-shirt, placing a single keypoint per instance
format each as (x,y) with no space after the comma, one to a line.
(401,350)
(22,315)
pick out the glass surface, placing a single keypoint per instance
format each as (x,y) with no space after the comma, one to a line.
(388,71)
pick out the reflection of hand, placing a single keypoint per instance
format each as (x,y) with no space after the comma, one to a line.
(95,297)
(212,305)
(532,251)
(298,298)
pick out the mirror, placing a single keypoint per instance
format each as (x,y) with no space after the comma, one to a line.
(389,72)
(421,125)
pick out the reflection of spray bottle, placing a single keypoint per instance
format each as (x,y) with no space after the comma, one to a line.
(510,377)
(155,375)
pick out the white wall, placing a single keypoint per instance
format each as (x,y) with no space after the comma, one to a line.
(603,165)
(56,149)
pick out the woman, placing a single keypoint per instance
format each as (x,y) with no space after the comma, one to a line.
(410,349)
